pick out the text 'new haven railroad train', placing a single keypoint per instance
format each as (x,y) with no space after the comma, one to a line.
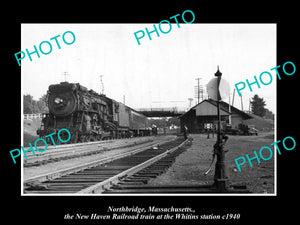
(90,116)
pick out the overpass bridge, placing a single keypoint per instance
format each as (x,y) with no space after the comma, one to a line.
(149,112)
(161,112)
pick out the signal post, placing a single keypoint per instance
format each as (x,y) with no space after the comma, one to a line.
(219,89)
(220,177)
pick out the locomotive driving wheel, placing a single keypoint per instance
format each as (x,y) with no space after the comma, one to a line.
(93,137)
(87,138)
(74,137)
(82,138)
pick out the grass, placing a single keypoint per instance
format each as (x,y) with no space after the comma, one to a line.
(29,131)
(260,123)
(189,167)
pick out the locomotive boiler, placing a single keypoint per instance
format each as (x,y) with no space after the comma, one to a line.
(89,116)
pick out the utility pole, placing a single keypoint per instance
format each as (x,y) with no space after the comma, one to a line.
(229,110)
(197,90)
(190,99)
(102,85)
(201,92)
(242,102)
(233,97)
(249,105)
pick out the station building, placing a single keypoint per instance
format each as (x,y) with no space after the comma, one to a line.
(205,112)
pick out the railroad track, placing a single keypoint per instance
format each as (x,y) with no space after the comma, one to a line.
(63,152)
(137,182)
(108,174)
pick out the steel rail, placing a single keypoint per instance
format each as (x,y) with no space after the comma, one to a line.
(69,147)
(104,185)
(74,169)
(78,150)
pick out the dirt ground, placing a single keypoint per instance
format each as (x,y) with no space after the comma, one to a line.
(189,167)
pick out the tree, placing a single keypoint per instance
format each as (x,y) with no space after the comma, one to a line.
(269,114)
(258,106)
(42,104)
(28,104)
(33,106)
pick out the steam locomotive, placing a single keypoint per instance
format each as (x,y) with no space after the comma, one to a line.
(89,116)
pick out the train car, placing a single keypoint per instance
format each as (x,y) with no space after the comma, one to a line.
(139,124)
(89,116)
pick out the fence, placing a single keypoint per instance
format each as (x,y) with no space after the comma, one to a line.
(32,116)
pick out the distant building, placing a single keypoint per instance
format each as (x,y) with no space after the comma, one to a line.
(197,118)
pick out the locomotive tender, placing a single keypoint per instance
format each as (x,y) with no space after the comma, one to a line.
(89,116)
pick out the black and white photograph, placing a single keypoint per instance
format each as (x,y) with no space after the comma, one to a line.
(146,117)
(163,115)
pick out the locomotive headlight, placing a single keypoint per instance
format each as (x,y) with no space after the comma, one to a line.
(62,103)
(58,100)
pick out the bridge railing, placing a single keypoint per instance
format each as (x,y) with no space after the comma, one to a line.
(167,109)
(36,115)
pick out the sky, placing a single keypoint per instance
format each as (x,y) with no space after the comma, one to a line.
(160,72)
